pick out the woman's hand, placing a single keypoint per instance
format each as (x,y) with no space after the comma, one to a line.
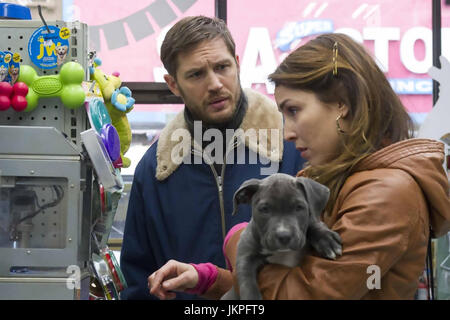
(173,276)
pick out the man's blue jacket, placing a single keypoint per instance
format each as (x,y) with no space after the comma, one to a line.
(180,207)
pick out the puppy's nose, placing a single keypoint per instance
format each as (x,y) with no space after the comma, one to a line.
(283,237)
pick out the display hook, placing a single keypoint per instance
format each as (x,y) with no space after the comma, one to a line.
(43,20)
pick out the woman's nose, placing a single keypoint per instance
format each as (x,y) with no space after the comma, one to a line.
(289,132)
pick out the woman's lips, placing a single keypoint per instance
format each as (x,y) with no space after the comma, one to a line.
(303,152)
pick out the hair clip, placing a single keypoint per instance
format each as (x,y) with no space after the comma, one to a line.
(335,55)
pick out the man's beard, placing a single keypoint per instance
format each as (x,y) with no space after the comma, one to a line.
(211,122)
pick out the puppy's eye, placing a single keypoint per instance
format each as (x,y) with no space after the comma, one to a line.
(299,207)
(263,208)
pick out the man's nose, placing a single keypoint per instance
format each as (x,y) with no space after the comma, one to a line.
(215,83)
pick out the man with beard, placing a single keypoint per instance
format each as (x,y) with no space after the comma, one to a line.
(181,200)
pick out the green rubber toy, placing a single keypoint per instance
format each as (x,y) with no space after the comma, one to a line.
(66,85)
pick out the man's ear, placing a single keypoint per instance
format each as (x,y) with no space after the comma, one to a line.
(245,193)
(316,195)
(172,84)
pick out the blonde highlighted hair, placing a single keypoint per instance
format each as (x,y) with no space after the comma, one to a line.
(377,115)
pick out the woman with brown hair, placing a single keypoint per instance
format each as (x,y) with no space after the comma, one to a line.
(386,189)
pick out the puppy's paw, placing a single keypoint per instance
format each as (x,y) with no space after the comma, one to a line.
(326,242)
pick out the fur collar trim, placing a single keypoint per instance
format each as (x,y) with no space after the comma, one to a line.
(262,118)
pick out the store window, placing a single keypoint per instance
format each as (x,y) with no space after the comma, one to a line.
(397,33)
(127,34)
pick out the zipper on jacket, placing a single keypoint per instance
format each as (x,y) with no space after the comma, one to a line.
(219,183)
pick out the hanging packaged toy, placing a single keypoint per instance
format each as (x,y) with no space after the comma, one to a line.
(13,96)
(12,92)
(48,46)
(11,62)
(14,67)
(66,85)
(119,102)
(4,67)
(101,121)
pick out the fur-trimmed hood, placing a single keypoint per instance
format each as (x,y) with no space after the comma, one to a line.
(262,116)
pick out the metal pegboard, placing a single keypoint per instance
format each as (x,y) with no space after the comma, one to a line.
(49,226)
(50,112)
(47,229)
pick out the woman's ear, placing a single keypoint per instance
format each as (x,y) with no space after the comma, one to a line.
(343,109)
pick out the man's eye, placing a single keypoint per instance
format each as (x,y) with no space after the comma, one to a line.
(221,67)
(195,74)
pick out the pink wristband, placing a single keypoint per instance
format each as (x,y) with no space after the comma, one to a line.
(230,233)
(207,274)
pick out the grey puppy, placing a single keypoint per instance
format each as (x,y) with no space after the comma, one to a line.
(285,223)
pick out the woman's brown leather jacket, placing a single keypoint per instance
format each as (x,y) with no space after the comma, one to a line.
(382,214)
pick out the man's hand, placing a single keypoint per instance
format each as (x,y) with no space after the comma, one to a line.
(173,276)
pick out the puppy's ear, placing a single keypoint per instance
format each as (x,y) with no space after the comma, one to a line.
(316,195)
(245,193)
